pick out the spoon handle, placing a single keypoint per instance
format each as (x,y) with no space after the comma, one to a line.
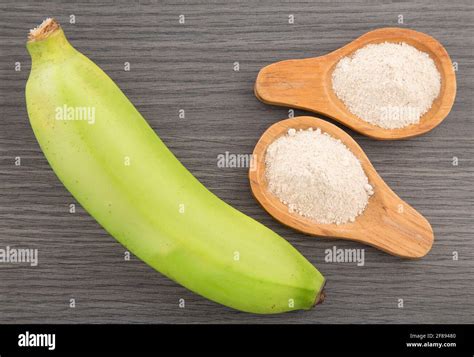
(398,229)
(300,83)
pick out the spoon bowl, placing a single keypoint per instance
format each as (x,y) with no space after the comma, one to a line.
(307,84)
(388,223)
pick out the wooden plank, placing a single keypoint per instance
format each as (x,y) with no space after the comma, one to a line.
(191,66)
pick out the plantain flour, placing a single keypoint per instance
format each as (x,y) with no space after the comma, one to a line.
(390,85)
(317,177)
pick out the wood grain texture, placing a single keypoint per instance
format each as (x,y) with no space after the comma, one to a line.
(191,67)
(387,223)
(307,84)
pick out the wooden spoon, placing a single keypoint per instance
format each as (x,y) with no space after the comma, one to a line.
(388,223)
(307,84)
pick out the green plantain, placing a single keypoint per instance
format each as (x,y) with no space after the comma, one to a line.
(118,169)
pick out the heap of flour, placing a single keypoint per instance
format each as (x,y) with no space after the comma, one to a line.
(317,177)
(390,85)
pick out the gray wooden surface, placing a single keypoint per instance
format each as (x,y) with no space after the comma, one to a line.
(190,66)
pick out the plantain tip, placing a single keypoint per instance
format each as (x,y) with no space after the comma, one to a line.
(44,30)
(321,297)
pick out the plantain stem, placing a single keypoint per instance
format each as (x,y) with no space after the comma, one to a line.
(48,44)
(43,31)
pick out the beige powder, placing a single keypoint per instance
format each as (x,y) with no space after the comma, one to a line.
(390,85)
(317,177)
